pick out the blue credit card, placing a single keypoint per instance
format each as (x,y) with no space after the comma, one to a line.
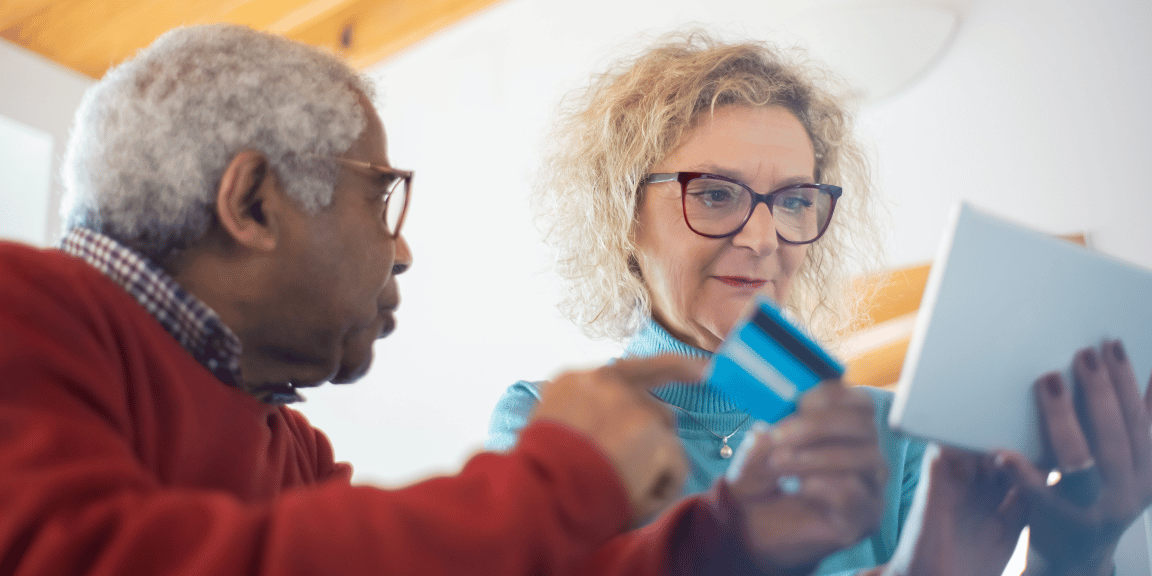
(767,363)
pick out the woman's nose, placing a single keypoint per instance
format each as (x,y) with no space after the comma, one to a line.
(759,232)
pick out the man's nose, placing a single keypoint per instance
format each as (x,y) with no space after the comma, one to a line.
(403,260)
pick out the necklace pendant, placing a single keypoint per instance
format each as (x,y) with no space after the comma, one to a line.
(725,451)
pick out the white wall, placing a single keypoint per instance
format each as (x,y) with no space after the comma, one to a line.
(1041,110)
(25,182)
(36,106)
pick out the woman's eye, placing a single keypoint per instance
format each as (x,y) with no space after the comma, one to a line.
(714,198)
(793,203)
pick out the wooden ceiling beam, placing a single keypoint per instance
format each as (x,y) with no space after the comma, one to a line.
(281,16)
(90,35)
(38,31)
(13,12)
(128,31)
(368,31)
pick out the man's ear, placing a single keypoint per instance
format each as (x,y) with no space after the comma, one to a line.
(247,199)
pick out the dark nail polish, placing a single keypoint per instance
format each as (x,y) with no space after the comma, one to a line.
(1090,359)
(1053,385)
(1118,352)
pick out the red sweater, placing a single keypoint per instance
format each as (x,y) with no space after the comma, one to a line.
(121,455)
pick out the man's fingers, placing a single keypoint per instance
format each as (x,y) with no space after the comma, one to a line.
(657,370)
(667,485)
(665,410)
(636,431)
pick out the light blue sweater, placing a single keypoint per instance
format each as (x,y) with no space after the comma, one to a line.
(711,408)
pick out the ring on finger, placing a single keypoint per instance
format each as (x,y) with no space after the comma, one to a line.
(789,484)
(1081,484)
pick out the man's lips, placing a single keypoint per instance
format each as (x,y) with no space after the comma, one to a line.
(742,282)
(388,324)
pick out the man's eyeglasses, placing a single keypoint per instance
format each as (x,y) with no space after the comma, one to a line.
(395,182)
(717,206)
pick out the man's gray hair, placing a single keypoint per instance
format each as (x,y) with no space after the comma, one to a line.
(152,138)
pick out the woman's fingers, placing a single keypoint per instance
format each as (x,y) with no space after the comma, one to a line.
(813,484)
(749,475)
(1104,453)
(830,413)
(1107,433)
(825,427)
(1136,418)
(868,465)
(833,393)
(1069,445)
(850,505)
(1049,510)
(832,433)
(779,458)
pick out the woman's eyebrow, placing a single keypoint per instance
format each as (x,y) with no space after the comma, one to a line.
(736,175)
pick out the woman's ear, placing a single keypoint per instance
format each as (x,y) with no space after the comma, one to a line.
(246,201)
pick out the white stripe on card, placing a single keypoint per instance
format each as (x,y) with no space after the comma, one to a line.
(753,364)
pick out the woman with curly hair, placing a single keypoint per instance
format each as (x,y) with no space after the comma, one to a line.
(650,195)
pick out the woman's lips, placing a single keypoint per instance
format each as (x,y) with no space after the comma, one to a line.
(742,282)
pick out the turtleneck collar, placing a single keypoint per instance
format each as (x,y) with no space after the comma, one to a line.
(652,340)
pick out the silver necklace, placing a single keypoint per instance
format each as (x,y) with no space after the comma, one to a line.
(725,449)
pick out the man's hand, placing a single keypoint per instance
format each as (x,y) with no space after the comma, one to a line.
(830,446)
(612,406)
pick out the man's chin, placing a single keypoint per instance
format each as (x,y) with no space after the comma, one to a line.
(348,374)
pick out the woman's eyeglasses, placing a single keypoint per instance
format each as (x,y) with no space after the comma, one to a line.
(717,206)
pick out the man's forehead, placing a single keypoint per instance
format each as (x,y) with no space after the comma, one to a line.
(373,142)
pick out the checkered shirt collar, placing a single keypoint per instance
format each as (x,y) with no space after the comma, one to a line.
(190,321)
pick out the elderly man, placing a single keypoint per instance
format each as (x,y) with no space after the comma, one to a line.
(234,233)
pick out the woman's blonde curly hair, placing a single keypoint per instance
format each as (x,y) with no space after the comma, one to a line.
(610,134)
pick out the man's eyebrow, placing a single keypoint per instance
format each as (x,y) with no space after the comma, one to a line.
(378,172)
(384,171)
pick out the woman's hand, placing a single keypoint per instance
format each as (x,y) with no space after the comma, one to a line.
(814,484)
(1105,454)
(966,517)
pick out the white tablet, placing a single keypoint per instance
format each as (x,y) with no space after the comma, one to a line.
(1003,305)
